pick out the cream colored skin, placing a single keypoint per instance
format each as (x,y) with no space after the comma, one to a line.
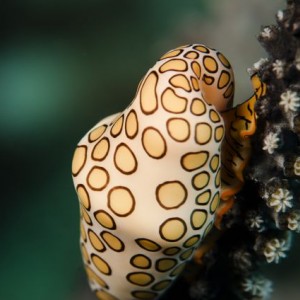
(148,179)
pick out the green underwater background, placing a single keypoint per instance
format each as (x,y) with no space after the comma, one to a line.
(64,65)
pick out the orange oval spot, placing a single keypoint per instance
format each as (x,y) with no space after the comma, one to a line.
(121,201)
(192,241)
(203,133)
(172,229)
(96,133)
(125,160)
(210,64)
(79,160)
(140,261)
(101,149)
(218,179)
(219,133)
(105,219)
(191,55)
(83,196)
(148,245)
(196,69)
(178,129)
(195,83)
(101,264)
(148,96)
(223,79)
(173,103)
(117,126)
(201,180)
(140,278)
(198,107)
(223,60)
(172,53)
(180,81)
(229,92)
(165,264)
(112,241)
(154,143)
(132,125)
(214,116)
(171,194)
(214,203)
(203,198)
(214,163)
(174,65)
(95,241)
(86,216)
(209,80)
(97,178)
(201,49)
(171,251)
(198,218)
(194,160)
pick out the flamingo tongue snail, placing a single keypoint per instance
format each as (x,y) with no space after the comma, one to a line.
(149,178)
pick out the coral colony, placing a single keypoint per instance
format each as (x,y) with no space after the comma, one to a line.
(153,179)
(257,230)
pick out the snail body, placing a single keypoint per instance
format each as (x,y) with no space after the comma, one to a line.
(149,178)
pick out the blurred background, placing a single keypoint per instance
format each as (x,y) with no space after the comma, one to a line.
(63,66)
